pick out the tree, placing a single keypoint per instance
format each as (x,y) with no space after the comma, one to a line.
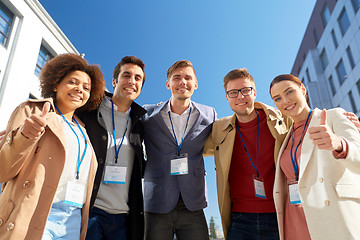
(212,228)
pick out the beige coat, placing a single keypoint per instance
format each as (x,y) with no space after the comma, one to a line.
(329,188)
(32,170)
(221,143)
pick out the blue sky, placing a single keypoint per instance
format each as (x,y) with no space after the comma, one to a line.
(216,36)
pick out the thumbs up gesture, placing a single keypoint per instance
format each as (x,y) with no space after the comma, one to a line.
(323,137)
(34,125)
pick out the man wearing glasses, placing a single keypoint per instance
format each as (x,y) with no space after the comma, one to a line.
(245,146)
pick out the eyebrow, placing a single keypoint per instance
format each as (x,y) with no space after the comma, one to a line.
(283,91)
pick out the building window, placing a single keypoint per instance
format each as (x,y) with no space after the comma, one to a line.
(352,101)
(334,38)
(325,14)
(356,5)
(332,86)
(324,59)
(307,75)
(340,71)
(358,85)
(343,21)
(44,56)
(6,20)
(350,56)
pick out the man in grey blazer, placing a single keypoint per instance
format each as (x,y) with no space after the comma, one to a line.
(175,133)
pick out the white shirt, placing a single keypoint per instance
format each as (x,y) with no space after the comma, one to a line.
(71,161)
(179,121)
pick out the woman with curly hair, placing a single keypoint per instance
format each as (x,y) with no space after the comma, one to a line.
(47,162)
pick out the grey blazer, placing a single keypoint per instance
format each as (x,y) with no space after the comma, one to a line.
(162,190)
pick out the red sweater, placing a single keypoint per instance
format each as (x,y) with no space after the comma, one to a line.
(242,190)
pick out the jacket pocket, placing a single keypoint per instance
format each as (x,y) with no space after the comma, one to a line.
(347,190)
(6,209)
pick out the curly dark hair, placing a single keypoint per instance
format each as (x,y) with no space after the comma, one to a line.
(60,66)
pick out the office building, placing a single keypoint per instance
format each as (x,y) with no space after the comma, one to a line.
(28,38)
(328,60)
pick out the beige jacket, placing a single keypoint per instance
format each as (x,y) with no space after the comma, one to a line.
(221,143)
(329,188)
(31,170)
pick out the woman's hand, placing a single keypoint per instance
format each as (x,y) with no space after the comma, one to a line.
(323,137)
(34,125)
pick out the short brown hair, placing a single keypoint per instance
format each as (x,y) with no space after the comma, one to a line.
(55,70)
(179,64)
(129,59)
(238,73)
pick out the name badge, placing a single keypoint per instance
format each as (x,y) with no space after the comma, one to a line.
(115,175)
(74,194)
(294,193)
(179,165)
(259,187)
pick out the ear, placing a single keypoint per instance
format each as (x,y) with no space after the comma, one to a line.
(168,84)
(254,92)
(114,82)
(303,89)
(196,84)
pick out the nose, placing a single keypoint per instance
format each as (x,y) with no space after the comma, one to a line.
(79,89)
(131,80)
(240,96)
(182,81)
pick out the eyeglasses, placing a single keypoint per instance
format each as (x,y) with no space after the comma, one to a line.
(234,93)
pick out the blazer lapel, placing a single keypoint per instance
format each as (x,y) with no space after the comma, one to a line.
(159,119)
(196,123)
(308,147)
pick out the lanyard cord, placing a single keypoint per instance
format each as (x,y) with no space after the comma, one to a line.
(182,138)
(293,157)
(117,149)
(79,160)
(257,145)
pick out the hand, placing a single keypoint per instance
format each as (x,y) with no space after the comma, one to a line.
(354,119)
(34,125)
(2,134)
(323,137)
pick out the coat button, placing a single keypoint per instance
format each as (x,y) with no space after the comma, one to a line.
(321,179)
(100,160)
(26,184)
(8,140)
(1,222)
(327,203)
(10,226)
(217,147)
(103,137)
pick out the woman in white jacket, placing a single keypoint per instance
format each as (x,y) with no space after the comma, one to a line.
(317,181)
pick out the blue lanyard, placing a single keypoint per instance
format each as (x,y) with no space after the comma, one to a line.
(257,145)
(182,138)
(117,149)
(79,160)
(293,157)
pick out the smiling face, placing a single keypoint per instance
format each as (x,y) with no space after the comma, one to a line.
(182,83)
(289,98)
(73,91)
(128,84)
(243,106)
